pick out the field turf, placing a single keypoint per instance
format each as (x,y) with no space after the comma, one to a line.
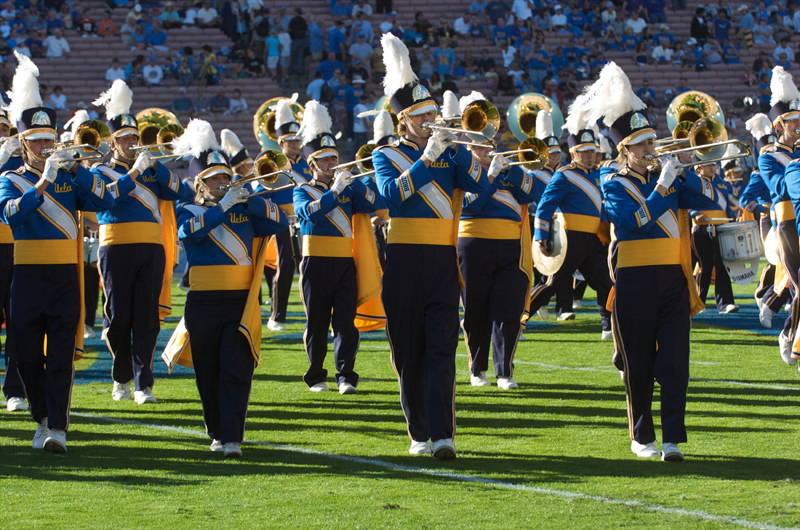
(553,454)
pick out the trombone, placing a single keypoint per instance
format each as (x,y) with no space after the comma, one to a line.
(654,158)
(268,168)
(478,118)
(532,154)
(164,142)
(94,153)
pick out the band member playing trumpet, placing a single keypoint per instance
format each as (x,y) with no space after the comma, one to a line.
(40,201)
(705,242)
(495,261)
(325,207)
(420,177)
(131,255)
(220,231)
(651,310)
(10,159)
(772,166)
(574,190)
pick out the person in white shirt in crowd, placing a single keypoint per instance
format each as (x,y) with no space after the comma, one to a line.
(360,125)
(115,72)
(21,48)
(190,18)
(462,25)
(152,72)
(362,7)
(251,4)
(5,29)
(783,47)
(286,51)
(207,16)
(523,9)
(662,53)
(237,103)
(56,45)
(8,11)
(559,19)
(386,26)
(58,100)
(362,51)
(509,53)
(637,23)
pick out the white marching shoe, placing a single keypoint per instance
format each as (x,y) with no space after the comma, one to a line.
(347,388)
(671,453)
(274,325)
(319,387)
(765,315)
(759,302)
(645,450)
(730,308)
(144,396)
(444,449)
(785,344)
(576,304)
(216,446)
(88,333)
(566,316)
(232,450)
(121,391)
(16,404)
(543,313)
(479,380)
(507,383)
(419,448)
(606,335)
(42,433)
(56,442)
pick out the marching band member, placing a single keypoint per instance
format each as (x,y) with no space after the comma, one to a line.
(10,160)
(772,165)
(651,309)
(239,157)
(421,176)
(290,142)
(220,231)
(325,207)
(755,200)
(705,242)
(40,201)
(131,257)
(495,261)
(574,191)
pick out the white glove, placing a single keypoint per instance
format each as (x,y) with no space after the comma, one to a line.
(436,146)
(55,162)
(447,137)
(232,197)
(498,165)
(341,179)
(7,151)
(143,161)
(669,170)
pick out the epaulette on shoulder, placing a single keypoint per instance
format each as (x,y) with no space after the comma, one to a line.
(770,148)
(623,171)
(109,165)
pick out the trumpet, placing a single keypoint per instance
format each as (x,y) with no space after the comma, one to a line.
(94,152)
(268,168)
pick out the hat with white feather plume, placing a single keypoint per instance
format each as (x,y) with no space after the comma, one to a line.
(407,94)
(286,126)
(382,127)
(581,138)
(785,100)
(199,142)
(33,121)
(761,128)
(318,142)
(544,131)
(118,100)
(233,148)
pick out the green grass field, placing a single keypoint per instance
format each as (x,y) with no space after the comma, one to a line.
(554,454)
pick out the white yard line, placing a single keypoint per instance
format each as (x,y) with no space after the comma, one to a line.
(571,495)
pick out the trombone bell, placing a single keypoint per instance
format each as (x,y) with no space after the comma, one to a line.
(364,158)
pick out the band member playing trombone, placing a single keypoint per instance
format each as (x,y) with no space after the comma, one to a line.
(574,190)
(494,256)
(420,177)
(325,207)
(651,310)
(220,231)
(40,201)
(131,255)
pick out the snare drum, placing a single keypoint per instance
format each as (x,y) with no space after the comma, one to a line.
(739,241)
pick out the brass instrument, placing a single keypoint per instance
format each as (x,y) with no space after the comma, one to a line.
(267,168)
(364,158)
(654,158)
(479,118)
(384,103)
(151,122)
(350,164)
(532,154)
(691,106)
(707,139)
(522,113)
(264,127)
(86,151)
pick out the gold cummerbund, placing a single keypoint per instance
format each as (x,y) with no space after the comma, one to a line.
(784,211)
(45,252)
(416,231)
(6,236)
(328,246)
(383,214)
(489,228)
(580,223)
(288,209)
(130,233)
(715,217)
(220,277)
(644,252)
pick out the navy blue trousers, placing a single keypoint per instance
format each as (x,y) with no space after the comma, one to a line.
(46,299)
(330,298)
(132,277)
(494,299)
(91,292)
(706,251)
(651,331)
(223,362)
(380,241)
(420,296)
(12,382)
(790,257)
(587,254)
(283,277)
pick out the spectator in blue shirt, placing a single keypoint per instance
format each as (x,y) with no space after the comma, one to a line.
(336,41)
(500,31)
(656,11)
(157,38)
(597,64)
(577,19)
(730,54)
(747,23)
(542,20)
(444,59)
(476,30)
(721,27)
(497,9)
(314,89)
(317,43)
(558,59)
(341,9)
(538,63)
(53,21)
(647,94)
(353,94)
(683,86)
(485,63)
(662,35)
(477,7)
(629,40)
(328,66)
(784,61)
(765,93)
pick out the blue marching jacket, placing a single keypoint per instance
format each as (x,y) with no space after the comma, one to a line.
(301,173)
(421,201)
(46,228)
(772,165)
(575,193)
(727,205)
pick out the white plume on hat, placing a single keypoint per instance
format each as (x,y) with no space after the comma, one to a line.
(576,119)
(383,126)
(197,137)
(79,118)
(450,104)
(782,87)
(605,147)
(283,112)
(466,100)
(759,126)
(229,142)
(398,65)
(613,89)
(316,120)
(544,125)
(117,99)
(24,93)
